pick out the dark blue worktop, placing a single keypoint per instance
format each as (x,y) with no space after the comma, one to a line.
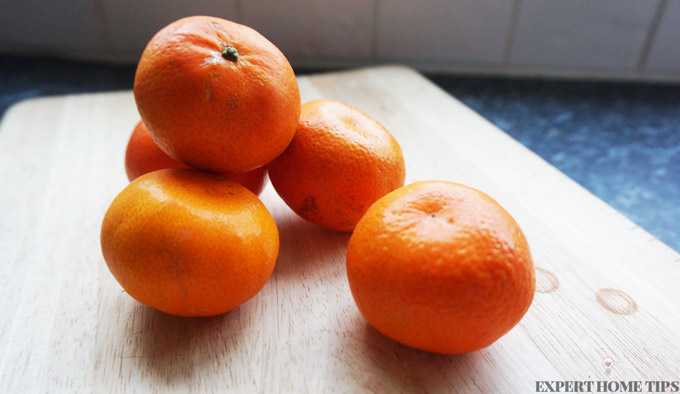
(621,141)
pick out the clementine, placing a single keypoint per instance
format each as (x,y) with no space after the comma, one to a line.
(143,155)
(216,95)
(339,163)
(189,243)
(441,267)
(254,180)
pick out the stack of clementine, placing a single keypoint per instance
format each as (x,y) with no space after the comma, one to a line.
(434,265)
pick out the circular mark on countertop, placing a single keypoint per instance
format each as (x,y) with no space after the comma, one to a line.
(546,281)
(616,301)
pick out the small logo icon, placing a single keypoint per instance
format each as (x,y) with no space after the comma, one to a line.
(608,363)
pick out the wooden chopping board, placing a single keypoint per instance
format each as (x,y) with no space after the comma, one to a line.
(605,287)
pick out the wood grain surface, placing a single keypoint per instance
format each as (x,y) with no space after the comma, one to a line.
(605,287)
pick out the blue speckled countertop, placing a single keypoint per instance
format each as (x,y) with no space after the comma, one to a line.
(621,141)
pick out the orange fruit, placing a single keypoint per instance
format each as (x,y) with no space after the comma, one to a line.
(143,155)
(441,267)
(189,243)
(216,95)
(339,163)
(253,180)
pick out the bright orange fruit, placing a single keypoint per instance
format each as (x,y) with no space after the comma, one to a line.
(143,155)
(339,163)
(189,243)
(217,95)
(253,180)
(441,267)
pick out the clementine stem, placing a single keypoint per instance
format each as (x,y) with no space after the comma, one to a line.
(230,53)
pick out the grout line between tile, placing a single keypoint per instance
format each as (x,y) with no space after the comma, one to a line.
(651,36)
(102,23)
(239,11)
(511,31)
(374,32)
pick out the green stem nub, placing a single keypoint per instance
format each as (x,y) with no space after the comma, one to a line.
(230,53)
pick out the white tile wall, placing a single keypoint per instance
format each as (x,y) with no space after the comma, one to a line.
(50,27)
(581,34)
(664,55)
(308,31)
(131,24)
(443,31)
(599,38)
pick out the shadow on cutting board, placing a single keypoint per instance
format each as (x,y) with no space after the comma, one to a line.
(175,351)
(387,366)
(307,250)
